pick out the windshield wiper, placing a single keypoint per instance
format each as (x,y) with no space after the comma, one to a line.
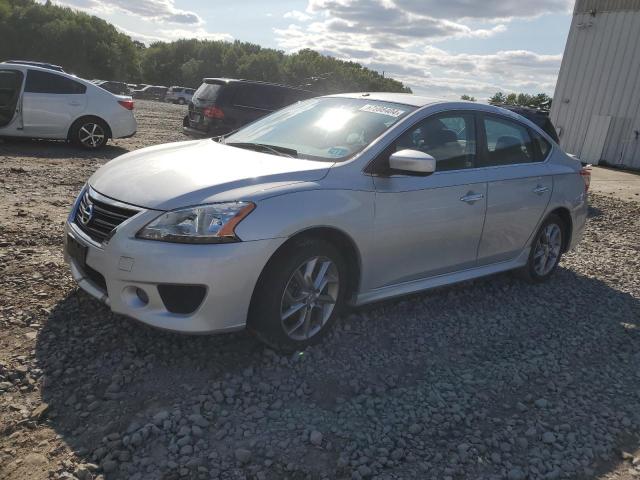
(275,149)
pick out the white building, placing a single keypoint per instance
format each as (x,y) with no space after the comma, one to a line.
(596,105)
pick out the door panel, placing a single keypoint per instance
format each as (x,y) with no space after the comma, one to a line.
(50,103)
(518,196)
(519,186)
(424,228)
(50,114)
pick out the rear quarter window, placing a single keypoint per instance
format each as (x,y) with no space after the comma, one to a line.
(543,147)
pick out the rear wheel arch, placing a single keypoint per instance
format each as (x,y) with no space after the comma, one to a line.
(565,215)
(85,118)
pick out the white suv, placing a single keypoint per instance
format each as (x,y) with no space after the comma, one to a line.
(179,95)
(40,103)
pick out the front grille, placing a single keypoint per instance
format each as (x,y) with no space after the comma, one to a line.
(98,219)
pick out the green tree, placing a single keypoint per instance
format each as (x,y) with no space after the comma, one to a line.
(93,48)
(468,98)
(541,100)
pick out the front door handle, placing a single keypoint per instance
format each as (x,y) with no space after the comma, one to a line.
(540,189)
(472,198)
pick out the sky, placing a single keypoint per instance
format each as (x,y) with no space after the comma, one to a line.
(442,48)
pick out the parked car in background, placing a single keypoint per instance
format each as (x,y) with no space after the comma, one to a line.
(150,92)
(537,116)
(37,102)
(344,199)
(179,95)
(119,88)
(222,105)
(48,66)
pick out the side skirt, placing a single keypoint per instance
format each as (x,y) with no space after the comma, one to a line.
(414,286)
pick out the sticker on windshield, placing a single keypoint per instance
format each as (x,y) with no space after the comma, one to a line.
(338,152)
(391,112)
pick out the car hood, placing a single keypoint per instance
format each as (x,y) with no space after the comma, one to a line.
(176,175)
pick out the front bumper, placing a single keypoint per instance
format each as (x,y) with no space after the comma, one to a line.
(229,273)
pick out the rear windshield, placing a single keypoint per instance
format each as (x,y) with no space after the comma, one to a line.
(207,91)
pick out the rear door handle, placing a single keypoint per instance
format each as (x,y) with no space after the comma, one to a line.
(75,104)
(472,198)
(540,189)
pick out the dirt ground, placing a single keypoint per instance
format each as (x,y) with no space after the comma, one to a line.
(492,379)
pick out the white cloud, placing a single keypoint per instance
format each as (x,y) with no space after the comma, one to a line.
(398,37)
(487,9)
(156,10)
(168,35)
(297,15)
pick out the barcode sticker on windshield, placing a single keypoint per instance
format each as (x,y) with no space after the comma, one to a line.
(391,112)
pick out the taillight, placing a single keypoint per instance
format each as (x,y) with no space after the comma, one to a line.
(128,104)
(585,173)
(213,112)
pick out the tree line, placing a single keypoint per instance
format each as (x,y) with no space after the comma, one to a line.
(93,48)
(540,100)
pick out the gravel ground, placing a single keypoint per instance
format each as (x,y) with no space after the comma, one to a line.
(491,379)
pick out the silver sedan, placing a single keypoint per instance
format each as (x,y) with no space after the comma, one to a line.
(344,199)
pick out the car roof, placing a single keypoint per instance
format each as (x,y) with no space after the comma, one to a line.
(253,82)
(32,63)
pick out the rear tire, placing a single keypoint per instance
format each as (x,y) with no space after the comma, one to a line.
(91,133)
(181,101)
(299,295)
(546,250)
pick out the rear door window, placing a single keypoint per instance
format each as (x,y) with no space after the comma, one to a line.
(261,97)
(45,82)
(507,142)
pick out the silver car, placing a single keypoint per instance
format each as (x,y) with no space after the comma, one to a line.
(344,199)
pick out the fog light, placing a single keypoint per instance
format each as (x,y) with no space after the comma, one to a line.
(142,296)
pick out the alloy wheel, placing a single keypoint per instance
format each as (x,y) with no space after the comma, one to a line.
(91,135)
(309,298)
(547,249)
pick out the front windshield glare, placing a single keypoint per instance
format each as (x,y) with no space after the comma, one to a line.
(332,129)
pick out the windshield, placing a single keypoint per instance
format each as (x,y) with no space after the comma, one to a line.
(328,128)
(208,91)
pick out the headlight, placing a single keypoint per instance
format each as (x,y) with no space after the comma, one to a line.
(214,223)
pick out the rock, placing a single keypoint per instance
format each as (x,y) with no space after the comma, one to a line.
(39,412)
(315,438)
(548,437)
(541,403)
(415,428)
(242,455)
(109,466)
(516,474)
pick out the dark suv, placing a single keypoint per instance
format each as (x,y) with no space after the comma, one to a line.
(539,117)
(222,105)
(118,88)
(151,92)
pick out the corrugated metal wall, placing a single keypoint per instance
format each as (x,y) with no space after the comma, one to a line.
(600,76)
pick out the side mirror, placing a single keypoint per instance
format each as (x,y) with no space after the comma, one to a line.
(412,162)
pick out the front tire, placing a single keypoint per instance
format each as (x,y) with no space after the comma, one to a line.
(90,133)
(299,295)
(546,250)
(181,101)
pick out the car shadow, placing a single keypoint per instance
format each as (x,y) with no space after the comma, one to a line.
(56,149)
(104,373)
